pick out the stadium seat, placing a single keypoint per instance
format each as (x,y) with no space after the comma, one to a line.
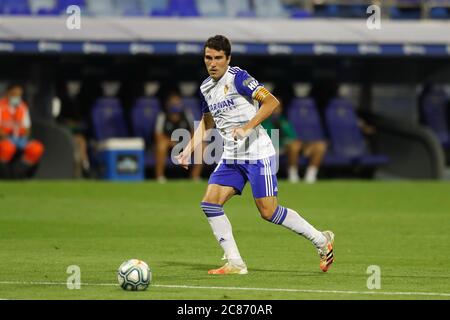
(346,137)
(108,119)
(238,8)
(101,7)
(63,4)
(303,115)
(143,118)
(406,9)
(439,13)
(211,8)
(143,121)
(43,6)
(130,8)
(193,105)
(434,111)
(149,6)
(269,9)
(15,7)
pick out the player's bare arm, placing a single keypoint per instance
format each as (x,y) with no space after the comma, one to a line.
(268,104)
(205,124)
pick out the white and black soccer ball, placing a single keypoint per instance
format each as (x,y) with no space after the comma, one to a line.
(134,275)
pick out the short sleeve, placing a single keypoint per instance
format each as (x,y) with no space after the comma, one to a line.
(245,84)
(203,105)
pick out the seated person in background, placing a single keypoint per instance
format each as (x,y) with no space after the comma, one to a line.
(175,116)
(292,146)
(15,125)
(72,116)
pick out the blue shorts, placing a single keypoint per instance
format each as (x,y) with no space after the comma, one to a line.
(235,173)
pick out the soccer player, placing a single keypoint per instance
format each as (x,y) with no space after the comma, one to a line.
(236,104)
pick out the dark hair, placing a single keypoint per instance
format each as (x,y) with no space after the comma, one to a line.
(13,85)
(219,43)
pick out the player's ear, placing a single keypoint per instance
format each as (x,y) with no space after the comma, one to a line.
(229,59)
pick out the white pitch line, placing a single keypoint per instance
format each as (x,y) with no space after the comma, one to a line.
(439,294)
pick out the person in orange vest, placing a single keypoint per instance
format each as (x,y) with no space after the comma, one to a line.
(15,125)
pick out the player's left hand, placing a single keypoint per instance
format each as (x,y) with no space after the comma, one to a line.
(240,133)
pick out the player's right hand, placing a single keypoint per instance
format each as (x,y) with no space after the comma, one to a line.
(182,161)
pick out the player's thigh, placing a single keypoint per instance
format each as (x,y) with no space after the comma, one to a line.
(266,206)
(218,194)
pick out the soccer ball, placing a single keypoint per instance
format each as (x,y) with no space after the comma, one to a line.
(134,275)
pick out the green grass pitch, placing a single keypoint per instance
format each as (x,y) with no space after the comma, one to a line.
(402,227)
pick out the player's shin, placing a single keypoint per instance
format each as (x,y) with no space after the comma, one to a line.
(223,232)
(293,221)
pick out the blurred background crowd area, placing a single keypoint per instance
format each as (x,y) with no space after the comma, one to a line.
(393,9)
(382,115)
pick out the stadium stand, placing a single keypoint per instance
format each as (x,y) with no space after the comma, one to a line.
(394,9)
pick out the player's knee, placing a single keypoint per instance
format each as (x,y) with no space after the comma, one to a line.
(296,145)
(321,147)
(7,150)
(33,152)
(266,211)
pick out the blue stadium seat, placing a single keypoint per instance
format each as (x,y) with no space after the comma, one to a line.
(185,8)
(303,115)
(15,7)
(143,118)
(63,4)
(439,13)
(346,137)
(108,119)
(434,110)
(193,105)
(143,121)
(182,8)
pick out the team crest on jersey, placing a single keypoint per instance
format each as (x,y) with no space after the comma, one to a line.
(225,89)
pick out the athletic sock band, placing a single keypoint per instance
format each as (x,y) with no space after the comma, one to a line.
(279,215)
(211,209)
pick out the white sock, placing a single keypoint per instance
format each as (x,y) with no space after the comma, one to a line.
(223,232)
(293,221)
(311,174)
(293,174)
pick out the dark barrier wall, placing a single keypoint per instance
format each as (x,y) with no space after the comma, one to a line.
(58,160)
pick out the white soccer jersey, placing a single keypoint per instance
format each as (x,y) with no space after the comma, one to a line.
(230,100)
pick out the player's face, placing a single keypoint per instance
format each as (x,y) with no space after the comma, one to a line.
(216,63)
